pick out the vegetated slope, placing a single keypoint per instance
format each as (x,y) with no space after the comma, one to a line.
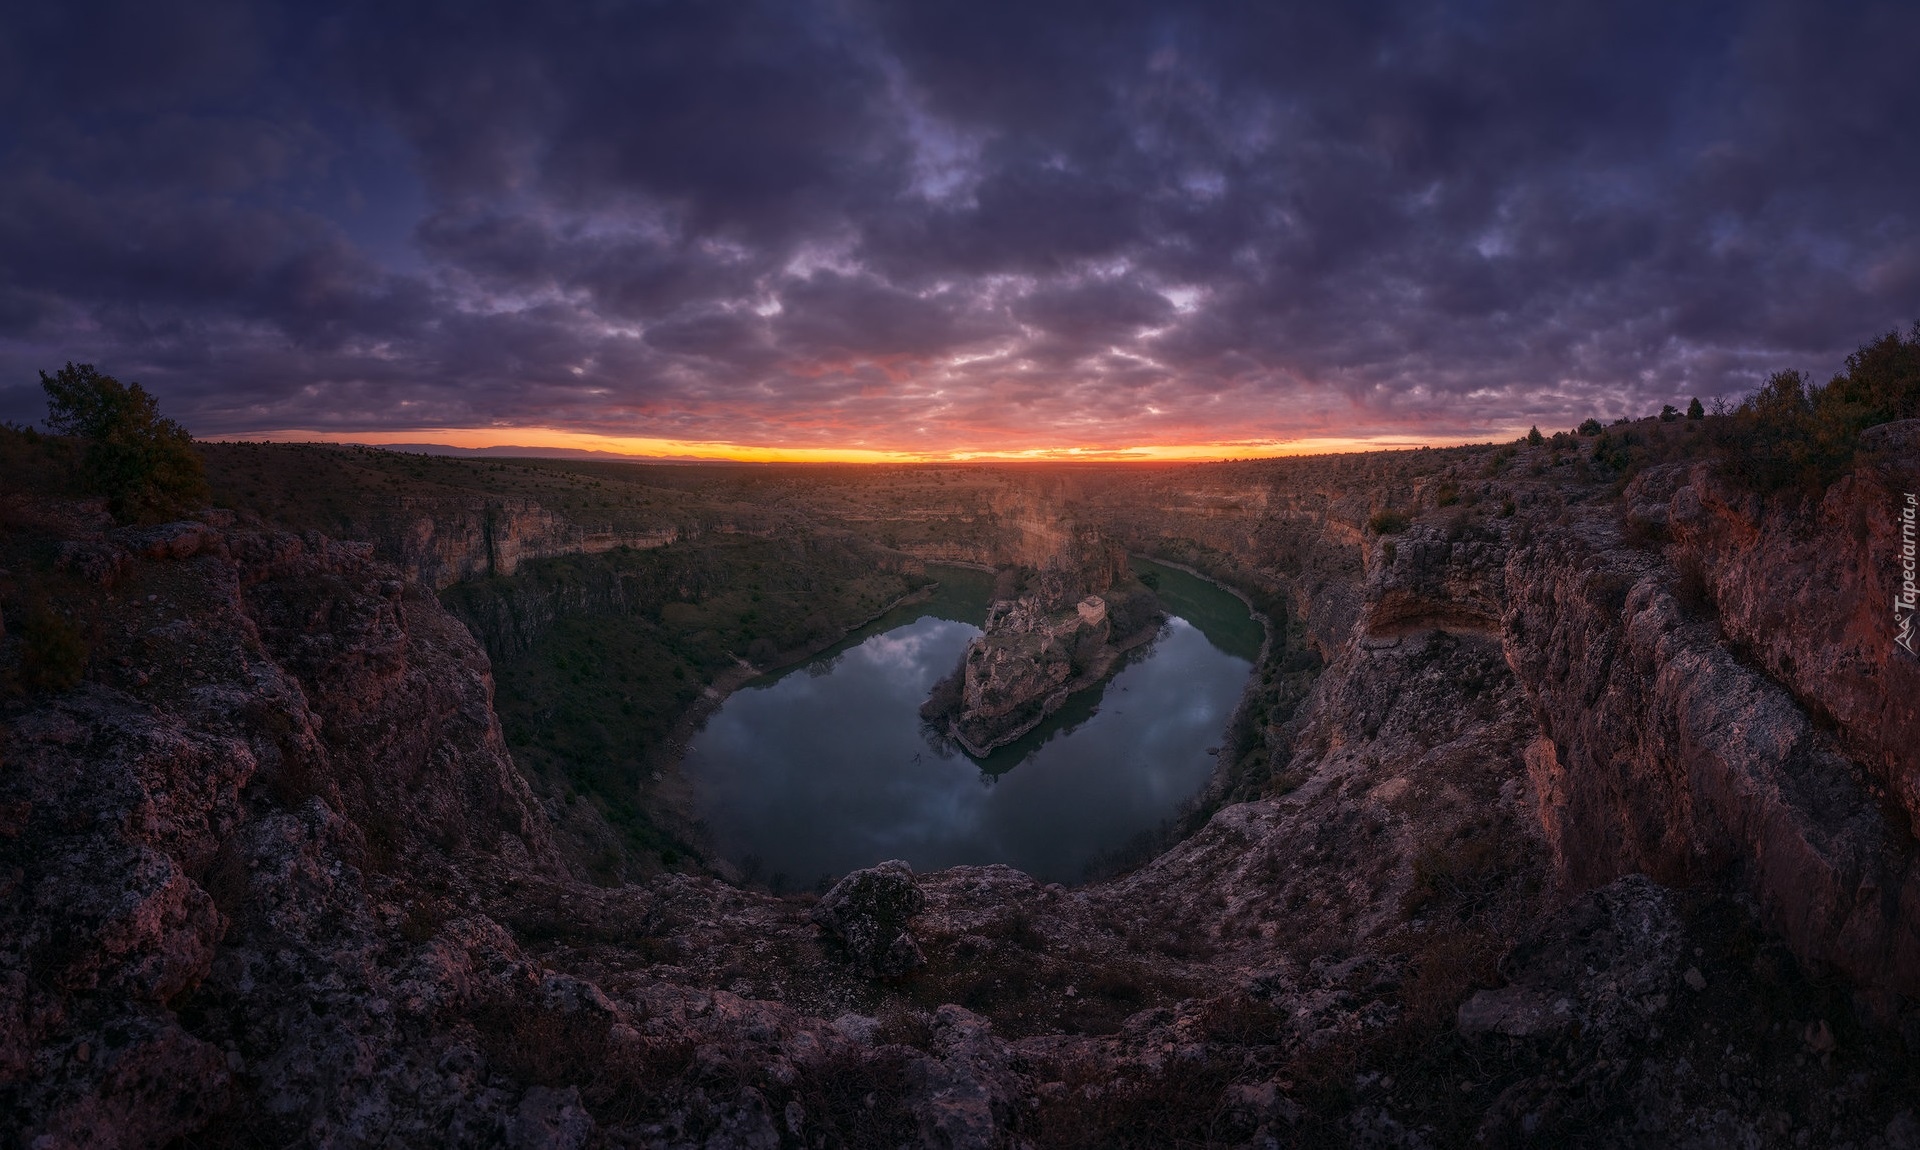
(603,662)
(1545,673)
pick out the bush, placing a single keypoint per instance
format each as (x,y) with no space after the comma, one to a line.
(1127,614)
(1590,427)
(1694,410)
(1534,438)
(1619,449)
(1793,433)
(143,462)
(1387,523)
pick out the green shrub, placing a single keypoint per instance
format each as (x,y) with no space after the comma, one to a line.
(1619,449)
(143,462)
(1534,438)
(1590,427)
(1387,523)
(1793,433)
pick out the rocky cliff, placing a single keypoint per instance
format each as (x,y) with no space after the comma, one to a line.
(1080,612)
(1591,831)
(439,543)
(1025,665)
(1829,568)
(240,852)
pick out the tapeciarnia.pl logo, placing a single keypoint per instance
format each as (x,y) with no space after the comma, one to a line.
(1905,599)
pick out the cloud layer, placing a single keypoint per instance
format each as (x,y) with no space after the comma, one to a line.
(947,225)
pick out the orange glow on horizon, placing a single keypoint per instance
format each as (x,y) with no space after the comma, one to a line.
(643,448)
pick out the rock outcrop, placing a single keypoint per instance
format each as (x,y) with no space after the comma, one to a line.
(1036,649)
(1662,752)
(1777,574)
(1022,668)
(235,852)
(869,911)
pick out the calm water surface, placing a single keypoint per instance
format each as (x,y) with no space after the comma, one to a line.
(826,767)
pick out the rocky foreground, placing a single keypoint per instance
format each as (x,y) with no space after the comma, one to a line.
(1595,830)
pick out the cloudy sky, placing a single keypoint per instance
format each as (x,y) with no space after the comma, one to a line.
(949,225)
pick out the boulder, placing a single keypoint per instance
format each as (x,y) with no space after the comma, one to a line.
(868,911)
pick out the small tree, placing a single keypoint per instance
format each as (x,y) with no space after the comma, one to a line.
(1694,410)
(143,462)
(1590,427)
(1668,413)
(1534,438)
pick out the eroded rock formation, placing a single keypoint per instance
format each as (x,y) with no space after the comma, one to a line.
(1080,611)
(1022,668)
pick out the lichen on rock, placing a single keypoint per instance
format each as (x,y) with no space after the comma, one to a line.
(869,911)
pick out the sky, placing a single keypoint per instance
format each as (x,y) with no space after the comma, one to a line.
(948,228)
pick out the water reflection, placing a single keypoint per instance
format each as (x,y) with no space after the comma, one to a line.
(829,768)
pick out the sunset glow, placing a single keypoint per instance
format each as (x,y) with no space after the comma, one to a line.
(665,449)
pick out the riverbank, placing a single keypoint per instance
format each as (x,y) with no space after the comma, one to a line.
(672,794)
(1234,740)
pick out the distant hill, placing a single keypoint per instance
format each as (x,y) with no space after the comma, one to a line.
(509,452)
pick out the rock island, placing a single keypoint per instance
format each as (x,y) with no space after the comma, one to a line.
(1060,630)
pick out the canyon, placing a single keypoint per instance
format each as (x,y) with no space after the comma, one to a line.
(1566,805)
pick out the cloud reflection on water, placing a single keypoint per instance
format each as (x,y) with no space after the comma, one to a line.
(822,772)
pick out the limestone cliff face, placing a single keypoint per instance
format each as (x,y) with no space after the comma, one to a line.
(509,616)
(439,542)
(1748,734)
(1807,587)
(1301,535)
(1766,726)
(1661,753)
(238,854)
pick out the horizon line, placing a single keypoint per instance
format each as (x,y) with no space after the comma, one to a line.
(642,449)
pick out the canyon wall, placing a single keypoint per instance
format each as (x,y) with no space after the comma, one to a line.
(240,854)
(1805,589)
(1661,753)
(441,542)
(1716,689)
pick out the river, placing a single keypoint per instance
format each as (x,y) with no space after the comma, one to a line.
(826,767)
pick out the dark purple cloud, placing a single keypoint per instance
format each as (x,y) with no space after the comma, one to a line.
(950,224)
